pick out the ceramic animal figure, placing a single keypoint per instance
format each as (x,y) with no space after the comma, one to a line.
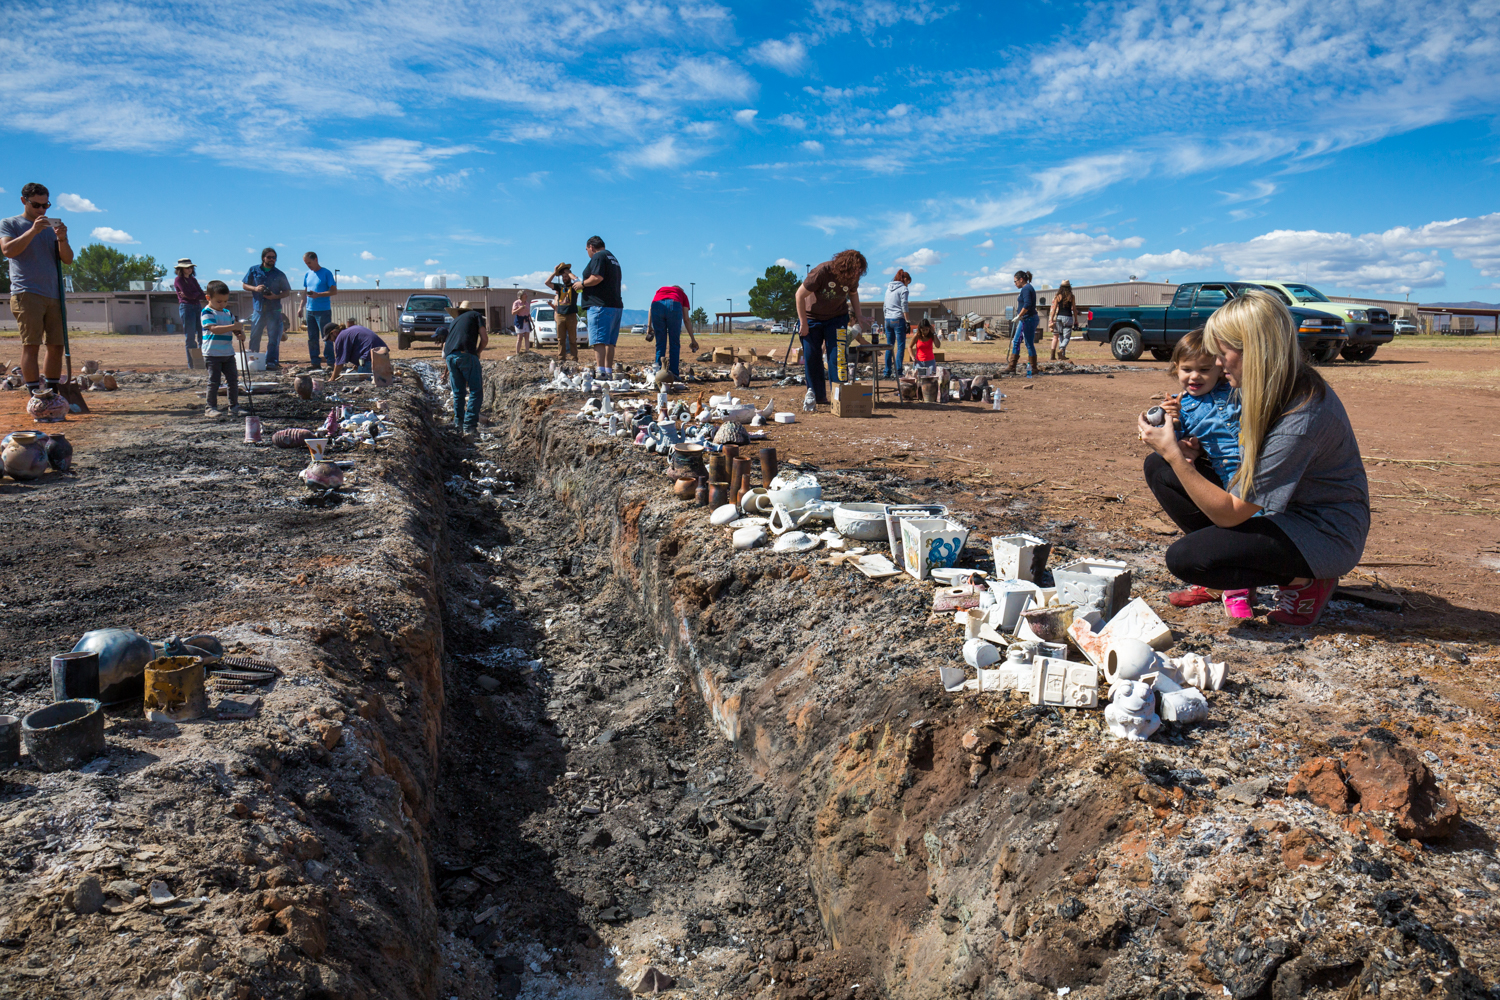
(740,372)
(1131,713)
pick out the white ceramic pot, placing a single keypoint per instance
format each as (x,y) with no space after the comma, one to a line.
(864,521)
(756,501)
(1129,660)
(793,491)
(978,653)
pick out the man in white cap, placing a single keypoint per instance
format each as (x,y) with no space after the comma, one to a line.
(190,303)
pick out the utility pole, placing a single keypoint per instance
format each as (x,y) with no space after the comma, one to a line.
(730,318)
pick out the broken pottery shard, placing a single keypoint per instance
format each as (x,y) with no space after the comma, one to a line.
(1184,707)
(160,894)
(1063,683)
(952,678)
(954,598)
(1247,792)
(749,538)
(653,980)
(1391,778)
(1136,620)
(1197,671)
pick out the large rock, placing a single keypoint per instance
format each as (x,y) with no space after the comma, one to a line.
(1392,778)
(306,929)
(1321,782)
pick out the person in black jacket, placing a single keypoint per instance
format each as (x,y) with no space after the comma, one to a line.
(467,339)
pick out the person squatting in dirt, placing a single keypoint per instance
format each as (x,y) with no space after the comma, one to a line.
(1300,467)
(33,243)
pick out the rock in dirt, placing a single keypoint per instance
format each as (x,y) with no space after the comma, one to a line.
(1247,792)
(489,684)
(1304,849)
(1321,782)
(161,895)
(653,980)
(1245,969)
(1392,778)
(86,897)
(123,888)
(306,929)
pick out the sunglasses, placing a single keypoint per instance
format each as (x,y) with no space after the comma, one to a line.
(42,207)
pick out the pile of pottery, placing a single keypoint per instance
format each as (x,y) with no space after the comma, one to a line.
(1087,610)
(27,455)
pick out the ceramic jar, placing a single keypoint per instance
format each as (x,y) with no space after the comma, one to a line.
(25,455)
(59,452)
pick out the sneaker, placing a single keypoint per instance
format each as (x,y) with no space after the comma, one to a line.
(210,412)
(238,411)
(1192,597)
(1237,604)
(1302,605)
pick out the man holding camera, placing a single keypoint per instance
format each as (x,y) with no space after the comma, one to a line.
(34,243)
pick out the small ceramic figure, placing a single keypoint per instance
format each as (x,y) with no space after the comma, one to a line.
(1185,706)
(1131,713)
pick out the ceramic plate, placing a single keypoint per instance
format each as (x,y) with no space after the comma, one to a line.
(749,522)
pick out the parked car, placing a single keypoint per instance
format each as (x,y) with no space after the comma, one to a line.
(778,327)
(1132,330)
(1406,327)
(423,317)
(639,328)
(1365,327)
(543,323)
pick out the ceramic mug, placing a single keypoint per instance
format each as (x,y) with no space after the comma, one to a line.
(979,654)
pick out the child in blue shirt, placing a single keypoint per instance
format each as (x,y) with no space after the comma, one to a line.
(220,329)
(1207,412)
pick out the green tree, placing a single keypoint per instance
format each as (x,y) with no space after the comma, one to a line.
(775,295)
(100,268)
(699,318)
(4,277)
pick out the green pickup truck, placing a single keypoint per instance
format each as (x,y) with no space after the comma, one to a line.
(1132,330)
(1367,327)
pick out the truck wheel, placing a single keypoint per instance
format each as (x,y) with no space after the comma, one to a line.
(1323,355)
(1359,353)
(1126,344)
(1161,353)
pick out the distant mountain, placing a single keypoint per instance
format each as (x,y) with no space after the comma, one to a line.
(1465,305)
(629,317)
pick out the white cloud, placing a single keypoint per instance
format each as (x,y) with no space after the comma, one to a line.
(107,235)
(404,272)
(227,270)
(871,293)
(663,154)
(789,55)
(250,250)
(1389,261)
(429,262)
(1258,191)
(367,255)
(917,288)
(536,279)
(812,146)
(77,203)
(1475,240)
(790,265)
(746,116)
(986,245)
(831,224)
(920,260)
(1060,255)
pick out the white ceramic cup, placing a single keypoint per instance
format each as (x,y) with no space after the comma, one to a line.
(317,447)
(979,654)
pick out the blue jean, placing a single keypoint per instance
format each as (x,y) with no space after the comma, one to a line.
(1026,330)
(465,378)
(267,319)
(822,342)
(192,327)
(604,325)
(666,327)
(316,321)
(895,335)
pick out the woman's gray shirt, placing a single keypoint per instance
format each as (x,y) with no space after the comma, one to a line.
(1311,483)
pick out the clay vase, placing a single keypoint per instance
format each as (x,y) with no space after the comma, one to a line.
(24,455)
(322,476)
(684,489)
(700,491)
(302,386)
(688,461)
(59,452)
(47,406)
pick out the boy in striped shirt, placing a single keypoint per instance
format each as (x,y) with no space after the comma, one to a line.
(220,329)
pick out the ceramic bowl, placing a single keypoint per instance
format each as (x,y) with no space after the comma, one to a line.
(794,491)
(864,521)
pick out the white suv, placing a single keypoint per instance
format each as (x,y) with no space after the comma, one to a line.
(543,323)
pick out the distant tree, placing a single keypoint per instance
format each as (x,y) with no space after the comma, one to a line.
(4,277)
(775,295)
(699,318)
(100,268)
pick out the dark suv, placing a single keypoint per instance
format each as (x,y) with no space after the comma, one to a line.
(424,317)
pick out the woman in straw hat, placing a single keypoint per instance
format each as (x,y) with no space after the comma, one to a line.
(190,303)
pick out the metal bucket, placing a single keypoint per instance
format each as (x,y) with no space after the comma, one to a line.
(75,675)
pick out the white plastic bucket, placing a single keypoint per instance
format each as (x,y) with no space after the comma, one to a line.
(256,361)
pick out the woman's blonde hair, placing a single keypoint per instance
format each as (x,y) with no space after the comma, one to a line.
(1274,376)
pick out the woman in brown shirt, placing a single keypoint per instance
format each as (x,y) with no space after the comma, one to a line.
(827,299)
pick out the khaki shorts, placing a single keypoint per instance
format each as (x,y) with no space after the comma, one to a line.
(39,317)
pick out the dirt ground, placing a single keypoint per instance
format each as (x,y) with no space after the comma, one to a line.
(542,731)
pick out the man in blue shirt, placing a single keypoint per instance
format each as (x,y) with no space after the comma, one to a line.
(318,287)
(351,346)
(269,285)
(34,243)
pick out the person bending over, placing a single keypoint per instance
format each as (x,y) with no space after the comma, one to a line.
(828,299)
(1299,470)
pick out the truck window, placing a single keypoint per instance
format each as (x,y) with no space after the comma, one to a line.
(1278,293)
(1211,297)
(1184,296)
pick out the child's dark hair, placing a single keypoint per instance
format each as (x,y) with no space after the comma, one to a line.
(216,287)
(924,329)
(1191,346)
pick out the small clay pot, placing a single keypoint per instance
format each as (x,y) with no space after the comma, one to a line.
(25,455)
(718,495)
(47,406)
(700,491)
(929,388)
(684,489)
(302,385)
(59,452)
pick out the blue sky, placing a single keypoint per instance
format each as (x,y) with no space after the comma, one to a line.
(1352,144)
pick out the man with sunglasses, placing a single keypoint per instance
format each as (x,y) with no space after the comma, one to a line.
(33,243)
(269,284)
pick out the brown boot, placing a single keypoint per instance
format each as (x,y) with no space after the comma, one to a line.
(1054,354)
(1014,360)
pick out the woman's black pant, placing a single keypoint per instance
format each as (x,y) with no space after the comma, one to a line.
(1254,553)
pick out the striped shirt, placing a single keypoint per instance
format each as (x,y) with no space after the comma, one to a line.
(221,344)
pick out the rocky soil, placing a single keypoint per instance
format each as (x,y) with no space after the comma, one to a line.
(542,733)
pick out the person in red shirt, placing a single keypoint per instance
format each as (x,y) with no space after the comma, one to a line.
(669,314)
(924,349)
(190,303)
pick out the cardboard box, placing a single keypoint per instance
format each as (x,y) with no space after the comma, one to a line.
(723,355)
(853,399)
